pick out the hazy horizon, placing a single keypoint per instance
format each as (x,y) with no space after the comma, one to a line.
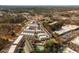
(39,6)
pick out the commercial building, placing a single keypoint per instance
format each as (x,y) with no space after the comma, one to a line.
(66,28)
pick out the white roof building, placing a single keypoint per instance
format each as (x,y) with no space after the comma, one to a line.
(76,40)
(27,27)
(29,31)
(40,34)
(34,25)
(18,39)
(15,43)
(43,37)
(30,34)
(53,23)
(12,49)
(66,28)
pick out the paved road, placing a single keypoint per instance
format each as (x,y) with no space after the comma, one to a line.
(44,29)
(28,47)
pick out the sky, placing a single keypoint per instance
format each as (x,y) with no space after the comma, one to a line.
(39,2)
